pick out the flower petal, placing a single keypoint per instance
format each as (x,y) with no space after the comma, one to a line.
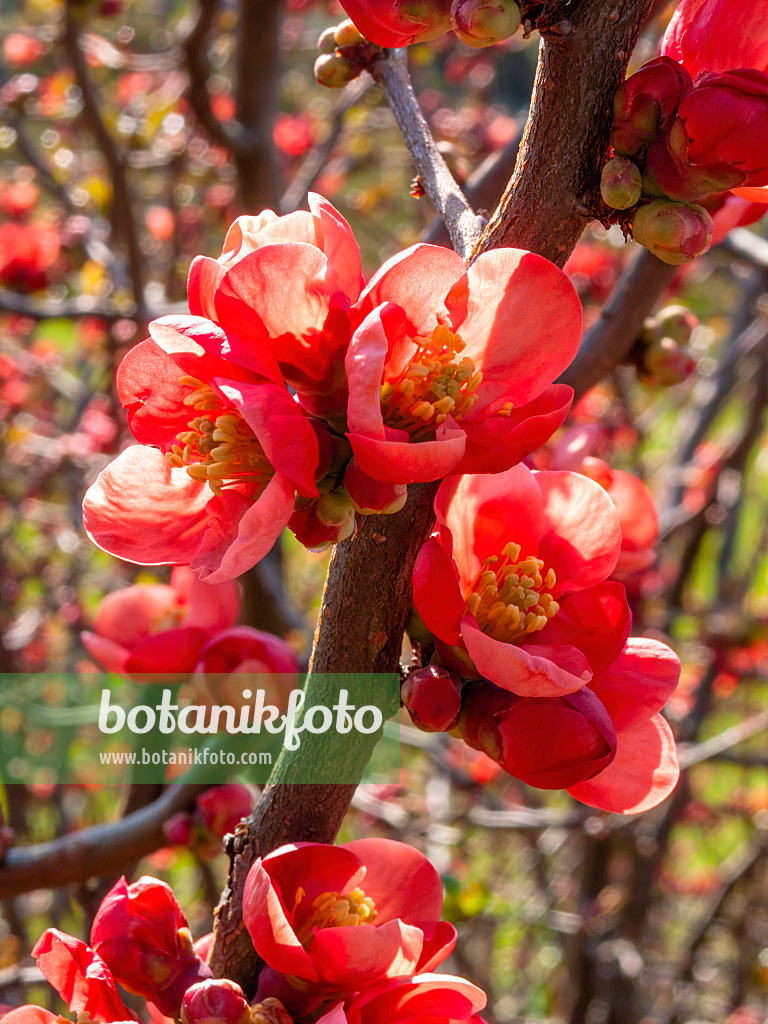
(241,532)
(582,537)
(143,510)
(148,383)
(408,462)
(526,672)
(338,242)
(347,958)
(639,682)
(523,325)
(436,592)
(643,773)
(419,897)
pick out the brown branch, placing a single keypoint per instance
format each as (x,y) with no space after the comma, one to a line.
(555,187)
(463,224)
(608,342)
(122,220)
(96,851)
(195,46)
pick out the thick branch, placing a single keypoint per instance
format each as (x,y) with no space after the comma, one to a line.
(582,62)
(463,224)
(93,852)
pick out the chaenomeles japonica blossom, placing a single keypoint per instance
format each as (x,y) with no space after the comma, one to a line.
(514,588)
(295,395)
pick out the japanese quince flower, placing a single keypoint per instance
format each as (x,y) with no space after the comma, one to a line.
(231,449)
(431,998)
(337,919)
(284,287)
(230,660)
(80,976)
(143,935)
(399,22)
(514,584)
(451,370)
(160,627)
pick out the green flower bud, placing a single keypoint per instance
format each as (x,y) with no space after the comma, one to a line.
(674,232)
(346,34)
(484,22)
(334,71)
(621,184)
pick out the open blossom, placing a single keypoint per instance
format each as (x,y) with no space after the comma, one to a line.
(80,976)
(451,370)
(514,582)
(160,628)
(142,933)
(231,450)
(336,919)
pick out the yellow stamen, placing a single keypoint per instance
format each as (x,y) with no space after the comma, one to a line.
(510,597)
(332,910)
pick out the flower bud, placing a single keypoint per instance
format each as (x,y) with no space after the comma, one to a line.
(369,496)
(432,696)
(664,363)
(484,22)
(327,41)
(334,71)
(621,183)
(270,1011)
(480,701)
(179,829)
(646,102)
(674,232)
(346,34)
(676,322)
(215,1001)
(143,935)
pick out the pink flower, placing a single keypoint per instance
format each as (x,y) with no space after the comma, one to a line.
(514,583)
(606,744)
(718,35)
(283,287)
(231,450)
(80,976)
(335,919)
(159,628)
(451,370)
(142,933)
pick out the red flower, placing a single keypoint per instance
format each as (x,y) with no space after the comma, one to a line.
(607,744)
(717,140)
(27,253)
(224,490)
(283,287)
(638,516)
(431,998)
(335,919)
(142,933)
(718,35)
(229,661)
(451,370)
(399,22)
(160,628)
(80,976)
(513,585)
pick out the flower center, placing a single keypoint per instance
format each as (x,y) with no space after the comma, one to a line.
(332,910)
(219,448)
(434,385)
(511,597)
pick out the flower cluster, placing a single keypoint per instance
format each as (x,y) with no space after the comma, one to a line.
(349,935)
(532,636)
(691,127)
(309,404)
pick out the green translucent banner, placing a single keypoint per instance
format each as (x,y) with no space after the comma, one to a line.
(104,729)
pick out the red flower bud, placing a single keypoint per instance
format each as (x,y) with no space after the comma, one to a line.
(674,232)
(142,934)
(555,742)
(399,22)
(215,1001)
(621,184)
(270,1011)
(432,696)
(646,102)
(717,140)
(484,22)
(665,363)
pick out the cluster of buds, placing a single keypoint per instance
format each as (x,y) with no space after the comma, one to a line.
(393,23)
(345,52)
(671,155)
(662,355)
